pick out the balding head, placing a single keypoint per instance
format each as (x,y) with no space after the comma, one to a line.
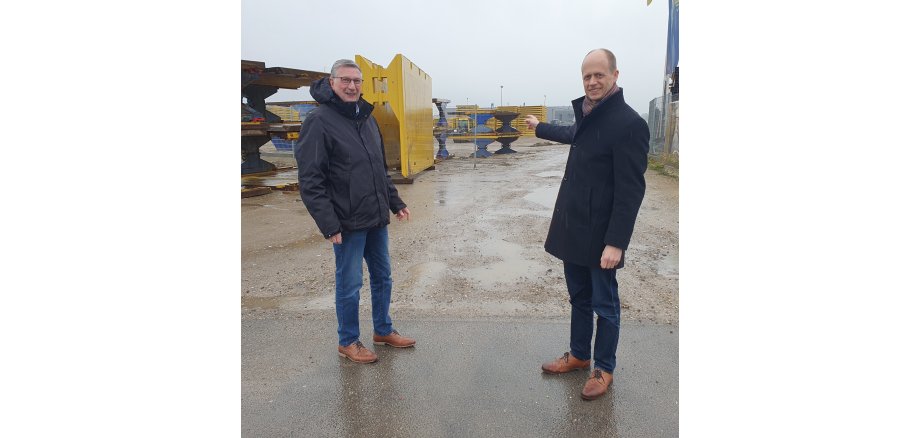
(599,73)
(598,54)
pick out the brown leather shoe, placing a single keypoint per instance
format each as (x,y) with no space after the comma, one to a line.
(394,339)
(597,384)
(565,364)
(357,353)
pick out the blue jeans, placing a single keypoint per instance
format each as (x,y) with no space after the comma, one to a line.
(594,290)
(371,245)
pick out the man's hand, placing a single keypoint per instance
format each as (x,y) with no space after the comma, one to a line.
(337,239)
(531,121)
(611,257)
(403,214)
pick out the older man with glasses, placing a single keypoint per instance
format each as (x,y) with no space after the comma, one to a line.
(345,187)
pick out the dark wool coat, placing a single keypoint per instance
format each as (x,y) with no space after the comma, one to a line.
(341,166)
(604,181)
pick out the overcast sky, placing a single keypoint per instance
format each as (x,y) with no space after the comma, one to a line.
(469,48)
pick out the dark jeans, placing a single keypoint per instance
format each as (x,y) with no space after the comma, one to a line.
(594,290)
(373,246)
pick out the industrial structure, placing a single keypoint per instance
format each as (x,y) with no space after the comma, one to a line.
(401,95)
(258,125)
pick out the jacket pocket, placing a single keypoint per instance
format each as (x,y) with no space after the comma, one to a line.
(341,195)
(362,199)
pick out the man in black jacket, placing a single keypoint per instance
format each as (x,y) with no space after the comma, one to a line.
(345,187)
(595,214)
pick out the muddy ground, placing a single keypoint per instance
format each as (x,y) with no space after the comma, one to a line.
(472,249)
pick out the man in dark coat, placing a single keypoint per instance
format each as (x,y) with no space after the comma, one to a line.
(595,214)
(345,187)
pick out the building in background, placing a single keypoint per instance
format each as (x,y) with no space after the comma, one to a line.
(560,115)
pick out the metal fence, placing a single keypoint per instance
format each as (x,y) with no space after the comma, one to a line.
(663,121)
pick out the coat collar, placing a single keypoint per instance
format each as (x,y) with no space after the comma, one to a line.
(614,101)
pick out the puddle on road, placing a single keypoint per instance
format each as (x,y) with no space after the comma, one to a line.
(324,302)
(511,267)
(451,195)
(513,214)
(313,239)
(545,196)
(551,174)
(668,267)
(267,303)
(427,273)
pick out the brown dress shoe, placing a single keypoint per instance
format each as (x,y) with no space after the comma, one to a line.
(357,353)
(597,384)
(394,339)
(565,364)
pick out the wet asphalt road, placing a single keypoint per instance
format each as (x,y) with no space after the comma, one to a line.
(464,378)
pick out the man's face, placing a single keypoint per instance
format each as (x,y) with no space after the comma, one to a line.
(596,75)
(347,83)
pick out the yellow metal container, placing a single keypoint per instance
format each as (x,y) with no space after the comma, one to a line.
(458,122)
(286,113)
(467,108)
(518,123)
(401,95)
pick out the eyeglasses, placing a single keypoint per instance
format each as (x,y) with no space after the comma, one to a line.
(349,81)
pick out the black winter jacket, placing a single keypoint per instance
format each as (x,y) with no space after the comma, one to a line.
(604,181)
(341,166)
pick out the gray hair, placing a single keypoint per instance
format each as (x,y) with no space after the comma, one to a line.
(343,63)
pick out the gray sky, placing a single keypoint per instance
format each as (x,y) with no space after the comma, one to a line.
(471,47)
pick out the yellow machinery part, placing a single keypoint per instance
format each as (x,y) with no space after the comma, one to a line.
(286,113)
(401,95)
(518,123)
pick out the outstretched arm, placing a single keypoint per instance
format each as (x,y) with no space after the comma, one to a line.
(557,133)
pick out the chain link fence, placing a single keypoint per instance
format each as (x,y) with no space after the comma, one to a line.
(663,123)
(663,117)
